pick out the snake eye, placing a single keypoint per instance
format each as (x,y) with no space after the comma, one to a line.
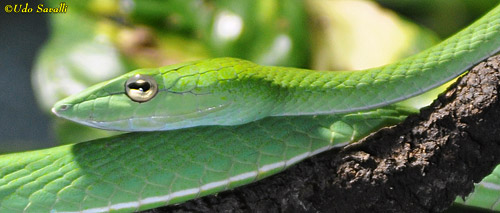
(141,88)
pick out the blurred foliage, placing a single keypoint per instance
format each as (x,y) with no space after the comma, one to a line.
(353,35)
(444,17)
(99,39)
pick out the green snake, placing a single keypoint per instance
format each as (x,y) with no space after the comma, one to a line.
(245,121)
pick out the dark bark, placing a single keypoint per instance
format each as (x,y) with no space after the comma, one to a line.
(420,165)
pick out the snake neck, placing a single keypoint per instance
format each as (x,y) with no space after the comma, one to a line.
(309,92)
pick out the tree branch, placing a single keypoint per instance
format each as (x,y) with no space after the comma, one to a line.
(419,165)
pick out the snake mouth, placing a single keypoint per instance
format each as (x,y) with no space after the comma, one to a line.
(147,123)
(155,122)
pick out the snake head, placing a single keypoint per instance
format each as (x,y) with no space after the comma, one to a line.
(172,97)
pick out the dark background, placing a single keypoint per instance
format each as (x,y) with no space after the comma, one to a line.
(22,124)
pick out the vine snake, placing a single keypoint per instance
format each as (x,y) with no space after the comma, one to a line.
(229,122)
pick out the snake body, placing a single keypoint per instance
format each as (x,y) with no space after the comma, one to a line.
(227,91)
(138,171)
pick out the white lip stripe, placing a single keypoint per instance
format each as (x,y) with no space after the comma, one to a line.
(214,185)
(489,185)
(185,192)
(125,205)
(320,150)
(156,199)
(272,166)
(340,145)
(103,209)
(244,176)
(297,159)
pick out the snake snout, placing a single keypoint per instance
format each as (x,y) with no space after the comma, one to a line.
(58,109)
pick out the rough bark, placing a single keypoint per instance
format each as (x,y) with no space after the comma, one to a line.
(420,165)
